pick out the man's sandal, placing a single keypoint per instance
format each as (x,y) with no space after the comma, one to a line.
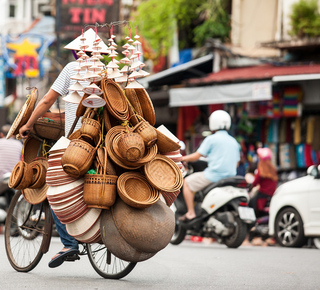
(70,255)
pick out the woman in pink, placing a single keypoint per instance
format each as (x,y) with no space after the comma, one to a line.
(266,178)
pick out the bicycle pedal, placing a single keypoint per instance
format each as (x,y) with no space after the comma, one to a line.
(72,258)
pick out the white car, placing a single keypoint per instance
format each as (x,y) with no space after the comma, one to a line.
(294,213)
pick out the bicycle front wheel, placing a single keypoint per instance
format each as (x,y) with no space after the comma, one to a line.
(27,233)
(107,265)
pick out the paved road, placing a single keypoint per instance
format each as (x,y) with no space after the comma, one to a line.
(187,266)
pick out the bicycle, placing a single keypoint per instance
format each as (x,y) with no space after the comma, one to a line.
(28,235)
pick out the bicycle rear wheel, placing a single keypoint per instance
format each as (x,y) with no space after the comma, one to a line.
(107,265)
(27,233)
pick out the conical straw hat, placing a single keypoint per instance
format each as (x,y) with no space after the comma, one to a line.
(93,101)
(90,36)
(74,98)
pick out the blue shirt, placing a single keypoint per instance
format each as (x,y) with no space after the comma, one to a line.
(223,154)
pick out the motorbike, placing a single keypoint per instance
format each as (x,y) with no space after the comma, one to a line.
(6,194)
(222,211)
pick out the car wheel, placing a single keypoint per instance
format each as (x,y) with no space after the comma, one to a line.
(316,242)
(289,228)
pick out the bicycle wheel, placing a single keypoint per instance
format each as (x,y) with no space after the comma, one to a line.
(107,265)
(27,233)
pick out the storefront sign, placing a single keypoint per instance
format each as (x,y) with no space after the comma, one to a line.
(73,15)
(23,55)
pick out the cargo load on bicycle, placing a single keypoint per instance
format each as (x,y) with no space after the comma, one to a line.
(111,181)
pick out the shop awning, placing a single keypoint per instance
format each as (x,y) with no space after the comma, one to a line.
(292,78)
(217,94)
(262,72)
(195,68)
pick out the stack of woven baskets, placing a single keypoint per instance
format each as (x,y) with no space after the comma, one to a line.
(113,180)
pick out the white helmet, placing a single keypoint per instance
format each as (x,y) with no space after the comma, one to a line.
(219,120)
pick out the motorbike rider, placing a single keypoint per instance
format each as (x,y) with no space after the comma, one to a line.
(266,178)
(223,154)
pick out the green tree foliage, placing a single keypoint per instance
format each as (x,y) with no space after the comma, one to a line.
(157,21)
(216,21)
(305,19)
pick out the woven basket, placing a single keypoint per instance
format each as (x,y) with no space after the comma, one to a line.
(81,108)
(134,105)
(24,114)
(16,174)
(75,135)
(78,157)
(100,189)
(164,174)
(90,127)
(32,148)
(146,131)
(26,178)
(165,144)
(39,174)
(49,129)
(134,190)
(146,105)
(131,146)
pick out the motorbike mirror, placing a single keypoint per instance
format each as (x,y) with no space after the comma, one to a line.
(313,171)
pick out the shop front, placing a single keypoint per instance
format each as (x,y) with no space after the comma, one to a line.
(277,107)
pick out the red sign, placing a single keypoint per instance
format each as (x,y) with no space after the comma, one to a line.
(73,15)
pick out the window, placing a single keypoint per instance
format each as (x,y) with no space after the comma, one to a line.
(12,10)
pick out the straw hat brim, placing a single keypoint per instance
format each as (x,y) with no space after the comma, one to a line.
(116,244)
(84,224)
(35,195)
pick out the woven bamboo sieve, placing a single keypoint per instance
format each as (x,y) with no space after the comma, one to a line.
(164,174)
(100,189)
(134,105)
(135,190)
(146,131)
(78,157)
(115,99)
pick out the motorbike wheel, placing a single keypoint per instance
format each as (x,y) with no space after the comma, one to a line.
(239,234)
(289,228)
(178,235)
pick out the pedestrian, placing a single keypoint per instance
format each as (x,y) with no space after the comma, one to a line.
(223,154)
(266,179)
(60,87)
(10,151)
